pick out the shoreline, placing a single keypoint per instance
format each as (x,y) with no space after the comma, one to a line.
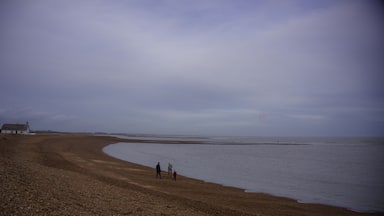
(85,180)
(253,174)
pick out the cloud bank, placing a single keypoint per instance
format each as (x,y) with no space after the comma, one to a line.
(194,67)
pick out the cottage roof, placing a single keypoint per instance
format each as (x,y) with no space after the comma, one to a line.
(20,127)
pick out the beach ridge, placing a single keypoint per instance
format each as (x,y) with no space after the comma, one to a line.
(69,174)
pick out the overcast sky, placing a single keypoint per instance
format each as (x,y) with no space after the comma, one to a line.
(217,67)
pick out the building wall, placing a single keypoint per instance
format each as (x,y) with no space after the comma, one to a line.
(14,131)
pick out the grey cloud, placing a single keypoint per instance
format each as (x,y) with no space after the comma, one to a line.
(130,66)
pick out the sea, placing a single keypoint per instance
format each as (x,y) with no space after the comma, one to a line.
(339,171)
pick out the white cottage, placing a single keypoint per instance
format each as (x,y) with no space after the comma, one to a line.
(15,128)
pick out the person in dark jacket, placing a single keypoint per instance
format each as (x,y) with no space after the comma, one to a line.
(158,170)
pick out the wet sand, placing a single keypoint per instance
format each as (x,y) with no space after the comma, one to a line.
(67,174)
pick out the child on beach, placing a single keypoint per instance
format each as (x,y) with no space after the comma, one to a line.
(174,175)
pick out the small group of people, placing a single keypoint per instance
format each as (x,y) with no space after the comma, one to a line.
(170,174)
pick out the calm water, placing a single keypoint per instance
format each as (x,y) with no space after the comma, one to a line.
(347,172)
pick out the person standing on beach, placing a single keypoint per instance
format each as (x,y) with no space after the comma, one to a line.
(158,170)
(169,169)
